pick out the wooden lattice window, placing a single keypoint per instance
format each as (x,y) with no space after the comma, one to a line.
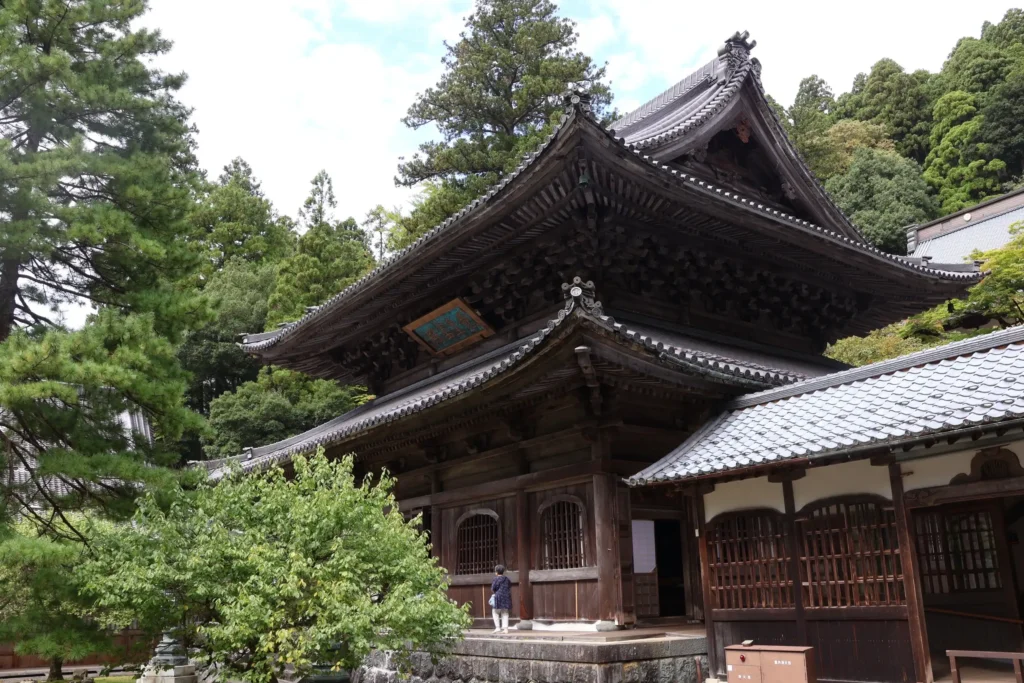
(748,561)
(563,539)
(478,542)
(956,551)
(849,554)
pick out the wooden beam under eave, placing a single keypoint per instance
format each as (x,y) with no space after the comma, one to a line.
(579,472)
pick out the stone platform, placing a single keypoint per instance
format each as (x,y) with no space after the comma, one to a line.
(631,656)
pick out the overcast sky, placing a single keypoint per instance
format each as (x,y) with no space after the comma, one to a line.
(294,86)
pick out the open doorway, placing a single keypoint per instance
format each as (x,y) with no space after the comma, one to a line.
(969,559)
(659,575)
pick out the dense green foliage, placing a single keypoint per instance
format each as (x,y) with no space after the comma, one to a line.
(41,610)
(277,405)
(234,220)
(330,256)
(263,571)
(994,303)
(500,93)
(962,125)
(882,192)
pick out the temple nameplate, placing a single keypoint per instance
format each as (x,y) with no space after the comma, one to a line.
(448,329)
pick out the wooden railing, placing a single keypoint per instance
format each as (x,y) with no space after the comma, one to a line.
(1016,657)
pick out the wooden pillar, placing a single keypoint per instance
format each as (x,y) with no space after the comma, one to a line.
(705,575)
(691,561)
(911,579)
(523,558)
(435,532)
(794,560)
(606,546)
(435,517)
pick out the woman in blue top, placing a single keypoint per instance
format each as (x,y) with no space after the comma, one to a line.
(501,601)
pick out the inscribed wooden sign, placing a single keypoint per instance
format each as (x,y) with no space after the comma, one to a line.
(449,328)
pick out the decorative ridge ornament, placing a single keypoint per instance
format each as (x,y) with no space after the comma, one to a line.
(577,99)
(736,50)
(583,295)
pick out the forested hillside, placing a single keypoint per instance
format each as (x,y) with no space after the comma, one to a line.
(900,148)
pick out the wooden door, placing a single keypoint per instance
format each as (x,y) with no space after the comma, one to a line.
(967,580)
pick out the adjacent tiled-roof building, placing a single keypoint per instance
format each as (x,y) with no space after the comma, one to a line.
(897,402)
(954,238)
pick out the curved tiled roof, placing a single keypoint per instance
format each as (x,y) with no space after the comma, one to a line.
(958,386)
(477,372)
(684,96)
(669,117)
(579,111)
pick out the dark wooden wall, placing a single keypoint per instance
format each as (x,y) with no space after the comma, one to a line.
(565,595)
(129,647)
(829,576)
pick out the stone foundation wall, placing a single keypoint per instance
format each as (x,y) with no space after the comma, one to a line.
(493,661)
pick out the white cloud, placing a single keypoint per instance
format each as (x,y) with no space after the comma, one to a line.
(279,91)
(795,39)
(295,87)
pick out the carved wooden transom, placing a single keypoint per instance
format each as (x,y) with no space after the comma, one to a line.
(989,464)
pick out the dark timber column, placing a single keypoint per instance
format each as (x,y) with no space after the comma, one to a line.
(523,555)
(435,517)
(705,575)
(911,579)
(794,559)
(606,545)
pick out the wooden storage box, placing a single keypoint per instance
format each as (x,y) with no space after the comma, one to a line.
(770,664)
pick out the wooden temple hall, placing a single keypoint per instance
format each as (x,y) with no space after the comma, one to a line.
(606,375)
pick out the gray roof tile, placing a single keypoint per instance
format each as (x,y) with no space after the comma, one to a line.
(476,372)
(984,235)
(968,383)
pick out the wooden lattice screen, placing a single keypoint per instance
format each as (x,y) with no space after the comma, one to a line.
(748,562)
(477,540)
(956,550)
(563,539)
(849,555)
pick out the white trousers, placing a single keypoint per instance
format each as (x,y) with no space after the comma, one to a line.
(502,615)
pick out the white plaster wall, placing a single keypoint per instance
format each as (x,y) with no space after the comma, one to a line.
(848,478)
(940,469)
(744,494)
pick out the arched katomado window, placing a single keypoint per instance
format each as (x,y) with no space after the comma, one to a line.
(748,561)
(563,528)
(849,553)
(478,542)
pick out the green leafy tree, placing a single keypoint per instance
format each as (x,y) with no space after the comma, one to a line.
(975,66)
(317,208)
(502,85)
(960,166)
(264,572)
(239,171)
(1007,33)
(279,404)
(1003,122)
(330,256)
(1000,295)
(900,102)
(96,167)
(238,293)
(234,220)
(882,193)
(41,611)
(878,345)
(831,154)
(810,115)
(97,178)
(61,400)
(378,225)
